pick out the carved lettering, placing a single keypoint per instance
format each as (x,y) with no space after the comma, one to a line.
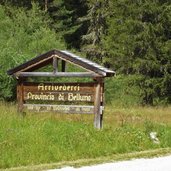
(42,87)
(61,97)
(31,96)
(78,97)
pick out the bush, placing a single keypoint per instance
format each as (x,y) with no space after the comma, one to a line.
(23,35)
(123,90)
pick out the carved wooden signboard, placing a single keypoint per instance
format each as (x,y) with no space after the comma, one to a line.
(59,91)
(69,97)
(48,93)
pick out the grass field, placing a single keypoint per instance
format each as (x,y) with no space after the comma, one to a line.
(48,138)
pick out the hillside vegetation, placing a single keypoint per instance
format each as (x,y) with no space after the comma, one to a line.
(130,37)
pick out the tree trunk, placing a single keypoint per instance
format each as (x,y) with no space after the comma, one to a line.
(46,5)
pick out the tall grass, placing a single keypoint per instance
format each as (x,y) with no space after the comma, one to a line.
(46,138)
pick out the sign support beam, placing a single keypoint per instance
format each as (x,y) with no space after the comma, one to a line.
(20,95)
(57,74)
(55,65)
(97,112)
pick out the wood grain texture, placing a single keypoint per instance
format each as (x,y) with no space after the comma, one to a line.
(98,114)
(55,65)
(56,74)
(20,96)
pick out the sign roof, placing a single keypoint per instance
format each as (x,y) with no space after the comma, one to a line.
(47,58)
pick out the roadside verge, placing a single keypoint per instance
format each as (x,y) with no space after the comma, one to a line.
(91,161)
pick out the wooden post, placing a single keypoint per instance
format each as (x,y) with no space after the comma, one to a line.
(55,65)
(20,96)
(102,103)
(97,112)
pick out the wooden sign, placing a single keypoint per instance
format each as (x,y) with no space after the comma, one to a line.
(31,94)
(82,98)
(80,92)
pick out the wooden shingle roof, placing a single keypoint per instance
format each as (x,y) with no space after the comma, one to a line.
(47,58)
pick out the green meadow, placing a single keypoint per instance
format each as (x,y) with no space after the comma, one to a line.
(35,138)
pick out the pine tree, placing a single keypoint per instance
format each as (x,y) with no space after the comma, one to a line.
(138,42)
(96,19)
(65,15)
(17,3)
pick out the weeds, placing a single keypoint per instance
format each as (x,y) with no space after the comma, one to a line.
(47,138)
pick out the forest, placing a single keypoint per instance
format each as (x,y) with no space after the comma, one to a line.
(131,37)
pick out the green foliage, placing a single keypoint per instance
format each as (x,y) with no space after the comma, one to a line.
(65,15)
(137,43)
(18,3)
(96,19)
(23,35)
(122,91)
(130,37)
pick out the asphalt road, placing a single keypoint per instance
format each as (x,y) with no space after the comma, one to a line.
(154,164)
